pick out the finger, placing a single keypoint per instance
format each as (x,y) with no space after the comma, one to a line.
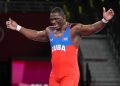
(10,19)
(112,11)
(7,22)
(8,27)
(109,11)
(104,10)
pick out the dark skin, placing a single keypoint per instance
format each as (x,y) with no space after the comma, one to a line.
(59,25)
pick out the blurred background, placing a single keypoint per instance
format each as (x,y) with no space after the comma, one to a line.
(99,54)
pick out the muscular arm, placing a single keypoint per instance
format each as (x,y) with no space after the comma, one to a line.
(92,28)
(89,29)
(41,36)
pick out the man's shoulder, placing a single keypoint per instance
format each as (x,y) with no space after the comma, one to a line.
(71,25)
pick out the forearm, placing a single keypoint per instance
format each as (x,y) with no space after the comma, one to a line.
(29,33)
(35,35)
(92,28)
(98,26)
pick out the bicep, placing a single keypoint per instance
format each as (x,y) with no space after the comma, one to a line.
(90,28)
(41,36)
(84,29)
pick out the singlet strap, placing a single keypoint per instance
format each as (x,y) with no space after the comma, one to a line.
(71,25)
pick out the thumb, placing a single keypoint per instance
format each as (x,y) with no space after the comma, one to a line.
(104,10)
(10,19)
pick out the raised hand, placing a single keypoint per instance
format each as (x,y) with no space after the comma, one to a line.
(108,15)
(11,24)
